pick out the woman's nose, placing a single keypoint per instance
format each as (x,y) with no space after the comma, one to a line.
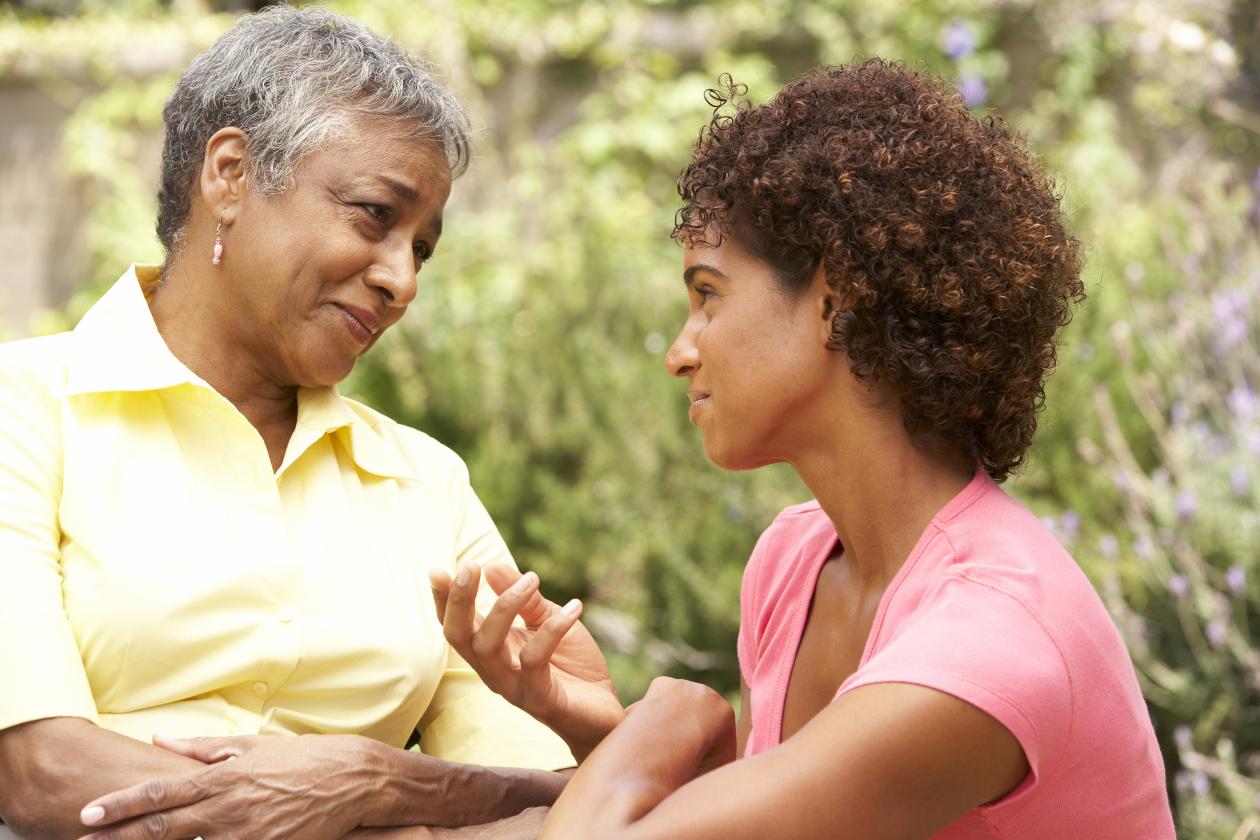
(394,276)
(683,358)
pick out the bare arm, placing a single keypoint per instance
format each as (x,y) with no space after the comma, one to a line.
(50,769)
(889,761)
(420,790)
(523,826)
(317,787)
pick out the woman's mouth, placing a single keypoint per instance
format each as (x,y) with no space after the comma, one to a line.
(698,401)
(358,330)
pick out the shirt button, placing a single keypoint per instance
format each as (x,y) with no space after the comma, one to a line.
(286,615)
(260,687)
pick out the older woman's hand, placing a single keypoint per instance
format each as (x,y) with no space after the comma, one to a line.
(260,787)
(550,667)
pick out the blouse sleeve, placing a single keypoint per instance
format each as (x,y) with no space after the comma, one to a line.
(40,667)
(466,721)
(983,645)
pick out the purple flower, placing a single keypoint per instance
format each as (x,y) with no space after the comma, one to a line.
(1216,632)
(1143,547)
(1122,480)
(1178,585)
(1253,442)
(958,39)
(1229,333)
(1236,579)
(1109,546)
(1186,505)
(1183,737)
(1180,414)
(1239,480)
(1182,781)
(973,89)
(1200,783)
(1242,402)
(1070,523)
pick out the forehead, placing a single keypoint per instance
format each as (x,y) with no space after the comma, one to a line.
(371,146)
(727,255)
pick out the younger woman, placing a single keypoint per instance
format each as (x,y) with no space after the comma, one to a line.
(876,280)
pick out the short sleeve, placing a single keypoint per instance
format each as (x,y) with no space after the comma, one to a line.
(747,642)
(467,722)
(40,667)
(983,645)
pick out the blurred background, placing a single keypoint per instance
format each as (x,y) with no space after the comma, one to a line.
(536,347)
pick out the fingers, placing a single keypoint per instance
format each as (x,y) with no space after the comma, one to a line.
(490,643)
(441,584)
(205,750)
(535,610)
(150,800)
(459,620)
(536,655)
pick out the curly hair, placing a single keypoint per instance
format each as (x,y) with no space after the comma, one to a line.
(938,231)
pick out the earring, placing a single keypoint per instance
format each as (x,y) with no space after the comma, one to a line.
(218,243)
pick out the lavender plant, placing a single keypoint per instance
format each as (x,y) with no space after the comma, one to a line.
(1175,544)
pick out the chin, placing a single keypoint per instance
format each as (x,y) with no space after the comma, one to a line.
(325,373)
(730,458)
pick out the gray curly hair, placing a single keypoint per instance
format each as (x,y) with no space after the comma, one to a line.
(291,80)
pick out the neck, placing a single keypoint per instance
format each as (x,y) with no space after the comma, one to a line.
(188,308)
(881,490)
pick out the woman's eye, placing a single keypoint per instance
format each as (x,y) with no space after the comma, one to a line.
(377,211)
(706,293)
(422,254)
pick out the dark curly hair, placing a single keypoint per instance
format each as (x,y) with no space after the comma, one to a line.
(940,234)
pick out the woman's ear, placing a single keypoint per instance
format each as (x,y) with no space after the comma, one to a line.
(827,302)
(223,172)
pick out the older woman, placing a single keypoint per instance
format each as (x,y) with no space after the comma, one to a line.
(876,281)
(200,537)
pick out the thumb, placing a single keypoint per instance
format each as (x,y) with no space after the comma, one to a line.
(205,750)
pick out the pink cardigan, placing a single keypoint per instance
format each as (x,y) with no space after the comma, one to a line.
(990,609)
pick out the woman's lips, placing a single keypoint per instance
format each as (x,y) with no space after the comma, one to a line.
(698,401)
(356,327)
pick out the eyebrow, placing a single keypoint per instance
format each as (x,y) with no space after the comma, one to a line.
(399,189)
(410,195)
(689,276)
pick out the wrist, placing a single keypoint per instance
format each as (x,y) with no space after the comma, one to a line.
(583,737)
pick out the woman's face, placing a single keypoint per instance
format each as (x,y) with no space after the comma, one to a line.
(320,271)
(755,357)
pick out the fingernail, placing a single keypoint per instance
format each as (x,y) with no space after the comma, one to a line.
(572,607)
(92,814)
(526,581)
(461,579)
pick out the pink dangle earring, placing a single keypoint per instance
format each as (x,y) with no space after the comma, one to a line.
(218,243)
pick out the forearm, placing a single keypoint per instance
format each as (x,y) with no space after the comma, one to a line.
(50,769)
(418,789)
(523,826)
(658,749)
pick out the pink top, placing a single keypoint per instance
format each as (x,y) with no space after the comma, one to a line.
(990,609)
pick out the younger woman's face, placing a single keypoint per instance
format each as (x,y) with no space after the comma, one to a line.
(755,357)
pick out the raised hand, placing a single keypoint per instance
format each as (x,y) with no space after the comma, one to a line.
(550,667)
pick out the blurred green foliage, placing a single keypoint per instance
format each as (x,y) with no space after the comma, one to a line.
(536,347)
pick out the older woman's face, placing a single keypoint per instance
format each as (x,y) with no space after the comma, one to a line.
(319,272)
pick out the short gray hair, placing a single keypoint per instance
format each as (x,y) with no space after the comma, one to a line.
(291,80)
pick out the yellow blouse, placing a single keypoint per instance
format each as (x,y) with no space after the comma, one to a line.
(157,576)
